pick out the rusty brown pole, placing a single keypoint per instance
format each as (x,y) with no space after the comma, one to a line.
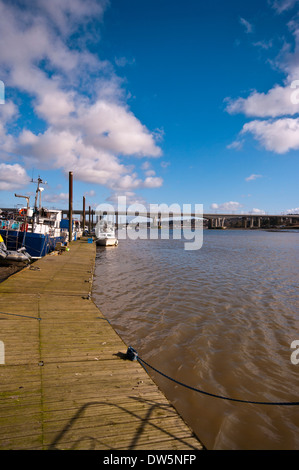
(89,221)
(83,221)
(70,206)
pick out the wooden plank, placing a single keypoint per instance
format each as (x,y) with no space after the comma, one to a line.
(65,383)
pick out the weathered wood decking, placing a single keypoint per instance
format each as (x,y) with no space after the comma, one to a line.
(65,383)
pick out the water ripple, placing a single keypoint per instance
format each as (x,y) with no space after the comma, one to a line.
(221,319)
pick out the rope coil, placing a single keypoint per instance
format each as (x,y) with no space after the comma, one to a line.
(132,355)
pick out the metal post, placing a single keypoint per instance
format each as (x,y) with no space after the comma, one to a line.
(70,206)
(89,220)
(83,216)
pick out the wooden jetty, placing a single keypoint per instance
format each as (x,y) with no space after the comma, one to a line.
(64,380)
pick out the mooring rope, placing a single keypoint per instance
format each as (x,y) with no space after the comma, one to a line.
(18,315)
(133,356)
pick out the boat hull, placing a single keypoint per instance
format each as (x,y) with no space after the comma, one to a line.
(36,244)
(106,241)
(12,260)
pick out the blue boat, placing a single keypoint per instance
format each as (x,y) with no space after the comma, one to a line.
(77,231)
(38,229)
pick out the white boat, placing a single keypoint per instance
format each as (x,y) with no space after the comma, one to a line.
(105,234)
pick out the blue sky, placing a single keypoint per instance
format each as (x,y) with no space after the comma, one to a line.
(161,101)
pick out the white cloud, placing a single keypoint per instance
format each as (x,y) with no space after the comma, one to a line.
(282,5)
(293,211)
(123,61)
(150,173)
(153,182)
(280,104)
(230,206)
(131,199)
(278,136)
(276,102)
(66,14)
(90,129)
(54,198)
(90,193)
(145,165)
(8,112)
(257,211)
(114,127)
(12,177)
(236,145)
(248,26)
(252,177)
(264,44)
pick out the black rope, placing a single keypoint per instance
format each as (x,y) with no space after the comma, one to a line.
(133,356)
(18,315)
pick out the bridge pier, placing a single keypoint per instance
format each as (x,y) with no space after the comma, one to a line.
(216,222)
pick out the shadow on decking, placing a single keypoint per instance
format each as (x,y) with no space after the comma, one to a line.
(94,442)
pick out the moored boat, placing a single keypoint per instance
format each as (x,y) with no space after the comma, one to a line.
(37,230)
(105,234)
(13,258)
(77,231)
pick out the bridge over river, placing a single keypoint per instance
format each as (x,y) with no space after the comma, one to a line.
(214,220)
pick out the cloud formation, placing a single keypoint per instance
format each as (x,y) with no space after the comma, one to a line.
(88,126)
(230,206)
(277,110)
(12,177)
(277,136)
(252,177)
(256,211)
(248,26)
(276,102)
(282,5)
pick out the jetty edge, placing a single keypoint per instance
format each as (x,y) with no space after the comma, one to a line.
(66,383)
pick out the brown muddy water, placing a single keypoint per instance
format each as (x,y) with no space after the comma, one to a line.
(221,319)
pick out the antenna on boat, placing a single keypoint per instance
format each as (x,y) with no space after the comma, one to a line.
(38,192)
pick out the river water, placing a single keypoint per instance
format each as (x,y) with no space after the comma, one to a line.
(220,319)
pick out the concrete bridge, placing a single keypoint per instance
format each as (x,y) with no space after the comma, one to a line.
(215,221)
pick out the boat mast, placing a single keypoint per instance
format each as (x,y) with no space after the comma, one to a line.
(38,193)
